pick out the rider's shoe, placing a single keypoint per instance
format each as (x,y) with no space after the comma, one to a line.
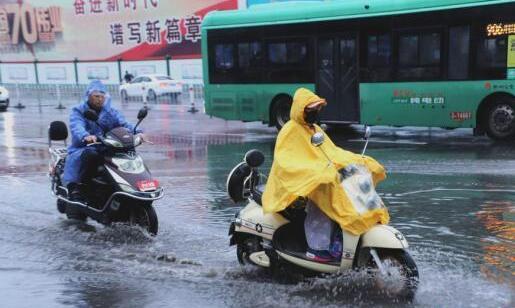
(75,194)
(336,247)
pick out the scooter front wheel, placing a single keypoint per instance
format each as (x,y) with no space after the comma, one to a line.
(400,276)
(61,206)
(145,216)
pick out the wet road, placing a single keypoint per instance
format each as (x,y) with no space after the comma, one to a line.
(453,197)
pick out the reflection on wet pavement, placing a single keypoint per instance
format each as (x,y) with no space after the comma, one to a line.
(451,195)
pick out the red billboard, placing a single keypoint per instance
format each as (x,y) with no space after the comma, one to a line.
(103,30)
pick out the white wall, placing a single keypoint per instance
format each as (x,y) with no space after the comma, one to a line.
(18,73)
(56,73)
(189,71)
(144,67)
(107,72)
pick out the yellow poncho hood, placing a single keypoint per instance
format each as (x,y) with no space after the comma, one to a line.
(300,169)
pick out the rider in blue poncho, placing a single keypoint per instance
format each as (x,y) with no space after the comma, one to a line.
(82,162)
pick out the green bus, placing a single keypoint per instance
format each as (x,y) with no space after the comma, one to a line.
(432,63)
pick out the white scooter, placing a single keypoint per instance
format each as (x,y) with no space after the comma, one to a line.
(277,240)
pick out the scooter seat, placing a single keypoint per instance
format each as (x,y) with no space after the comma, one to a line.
(258,193)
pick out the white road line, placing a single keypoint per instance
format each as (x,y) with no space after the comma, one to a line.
(387,141)
(455,189)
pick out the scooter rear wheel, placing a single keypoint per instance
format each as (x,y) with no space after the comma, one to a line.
(74,213)
(247,247)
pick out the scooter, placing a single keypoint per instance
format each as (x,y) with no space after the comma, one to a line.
(123,188)
(277,240)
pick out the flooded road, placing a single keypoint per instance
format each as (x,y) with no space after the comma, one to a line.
(451,195)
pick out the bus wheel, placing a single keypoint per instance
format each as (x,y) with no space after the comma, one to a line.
(500,124)
(281,112)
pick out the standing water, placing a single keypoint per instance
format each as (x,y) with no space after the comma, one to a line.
(453,200)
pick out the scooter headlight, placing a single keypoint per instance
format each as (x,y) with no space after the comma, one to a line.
(130,165)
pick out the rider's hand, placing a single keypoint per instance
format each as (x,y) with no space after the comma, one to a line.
(90,139)
(143,137)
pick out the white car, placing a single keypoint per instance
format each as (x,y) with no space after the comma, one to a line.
(4,98)
(150,86)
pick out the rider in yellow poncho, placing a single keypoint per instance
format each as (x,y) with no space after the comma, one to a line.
(300,169)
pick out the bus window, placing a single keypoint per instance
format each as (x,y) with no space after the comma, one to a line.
(419,56)
(249,55)
(250,62)
(288,62)
(408,50)
(379,58)
(287,53)
(222,70)
(491,57)
(224,56)
(459,45)
(430,49)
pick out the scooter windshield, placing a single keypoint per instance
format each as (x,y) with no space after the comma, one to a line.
(358,185)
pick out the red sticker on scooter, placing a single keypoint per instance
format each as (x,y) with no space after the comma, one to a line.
(147,185)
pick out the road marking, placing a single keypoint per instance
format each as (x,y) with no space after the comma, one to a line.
(387,141)
(455,189)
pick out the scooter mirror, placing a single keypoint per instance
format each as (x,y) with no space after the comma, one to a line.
(91,115)
(317,139)
(368,132)
(254,158)
(142,113)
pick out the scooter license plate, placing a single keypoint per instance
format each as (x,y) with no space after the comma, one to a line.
(147,185)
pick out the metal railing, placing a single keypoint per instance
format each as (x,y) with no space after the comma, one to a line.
(67,95)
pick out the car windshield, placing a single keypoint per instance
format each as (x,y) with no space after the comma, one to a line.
(163,78)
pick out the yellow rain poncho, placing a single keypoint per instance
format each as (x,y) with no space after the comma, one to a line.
(300,169)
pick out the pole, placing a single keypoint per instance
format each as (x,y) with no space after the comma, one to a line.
(120,69)
(36,70)
(75,65)
(192,99)
(58,93)
(167,58)
(145,99)
(19,105)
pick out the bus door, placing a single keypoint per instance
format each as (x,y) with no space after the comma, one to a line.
(337,78)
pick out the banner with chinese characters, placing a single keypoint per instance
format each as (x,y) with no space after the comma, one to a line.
(103,30)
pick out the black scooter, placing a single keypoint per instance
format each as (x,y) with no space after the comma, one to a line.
(123,188)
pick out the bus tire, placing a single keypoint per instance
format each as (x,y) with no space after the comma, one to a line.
(500,119)
(281,112)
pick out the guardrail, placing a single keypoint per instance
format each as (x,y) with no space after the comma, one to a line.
(67,95)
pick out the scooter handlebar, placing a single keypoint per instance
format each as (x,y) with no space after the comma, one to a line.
(93,143)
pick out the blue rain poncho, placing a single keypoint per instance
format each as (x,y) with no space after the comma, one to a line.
(80,127)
